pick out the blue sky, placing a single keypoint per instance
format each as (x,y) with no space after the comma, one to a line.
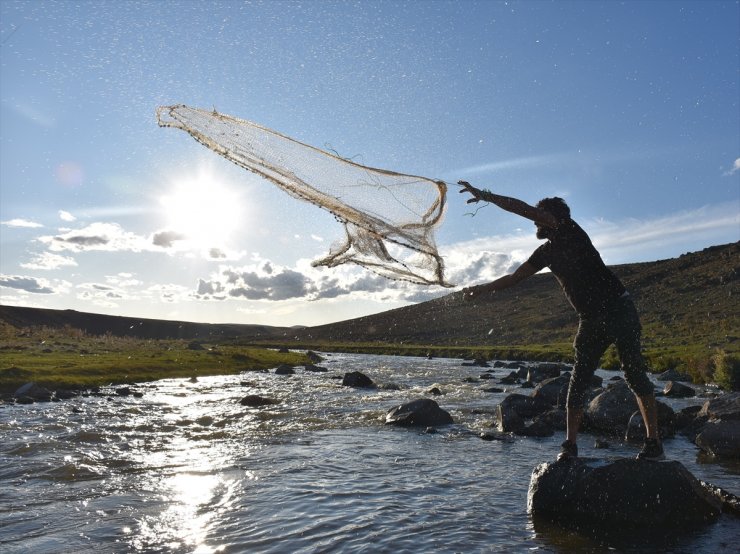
(629,110)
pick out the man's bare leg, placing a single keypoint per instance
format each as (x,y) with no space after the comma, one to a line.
(569,450)
(652,449)
(574,416)
(649,412)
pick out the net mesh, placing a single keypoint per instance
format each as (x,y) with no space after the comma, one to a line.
(389,217)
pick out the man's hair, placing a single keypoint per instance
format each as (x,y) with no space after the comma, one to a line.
(556,206)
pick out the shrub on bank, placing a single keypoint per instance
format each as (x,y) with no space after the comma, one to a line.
(726,370)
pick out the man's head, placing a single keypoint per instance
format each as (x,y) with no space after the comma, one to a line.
(555,206)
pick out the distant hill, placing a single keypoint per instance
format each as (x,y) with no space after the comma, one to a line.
(692,300)
(99,324)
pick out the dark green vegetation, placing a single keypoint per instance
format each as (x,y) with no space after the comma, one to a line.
(689,308)
(68,358)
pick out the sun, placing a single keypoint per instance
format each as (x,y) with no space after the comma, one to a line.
(203,209)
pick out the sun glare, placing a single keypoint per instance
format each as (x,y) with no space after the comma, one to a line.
(203,209)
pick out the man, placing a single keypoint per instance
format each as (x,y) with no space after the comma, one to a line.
(606,312)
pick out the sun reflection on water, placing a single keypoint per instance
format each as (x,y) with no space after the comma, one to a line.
(185,522)
(191,488)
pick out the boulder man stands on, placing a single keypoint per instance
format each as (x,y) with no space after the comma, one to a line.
(606,312)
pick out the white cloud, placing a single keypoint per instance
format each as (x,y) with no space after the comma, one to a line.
(28,284)
(66,216)
(166,239)
(101,294)
(265,280)
(97,236)
(48,260)
(735,168)
(170,293)
(673,234)
(514,163)
(18,222)
(123,280)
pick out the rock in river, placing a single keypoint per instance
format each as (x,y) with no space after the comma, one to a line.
(357,379)
(254,401)
(720,438)
(423,412)
(624,493)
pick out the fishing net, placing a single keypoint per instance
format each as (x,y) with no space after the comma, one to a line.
(389,217)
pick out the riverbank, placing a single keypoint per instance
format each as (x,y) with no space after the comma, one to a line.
(704,365)
(70,359)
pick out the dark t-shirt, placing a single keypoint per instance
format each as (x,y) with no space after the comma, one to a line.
(589,285)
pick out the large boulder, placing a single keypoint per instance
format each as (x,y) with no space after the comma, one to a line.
(674,389)
(255,401)
(686,417)
(611,410)
(724,407)
(539,427)
(720,438)
(673,375)
(507,365)
(515,408)
(555,418)
(526,406)
(357,379)
(636,431)
(545,370)
(625,493)
(511,379)
(284,369)
(33,392)
(423,412)
(551,389)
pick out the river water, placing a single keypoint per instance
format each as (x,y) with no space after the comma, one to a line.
(187,468)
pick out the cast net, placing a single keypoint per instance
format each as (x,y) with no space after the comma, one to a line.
(389,217)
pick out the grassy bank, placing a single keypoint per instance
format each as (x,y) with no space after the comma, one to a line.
(546,352)
(67,358)
(70,359)
(703,364)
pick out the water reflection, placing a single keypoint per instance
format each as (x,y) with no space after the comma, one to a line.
(192,492)
(565,537)
(189,513)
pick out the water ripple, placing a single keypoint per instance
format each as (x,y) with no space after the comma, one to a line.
(187,468)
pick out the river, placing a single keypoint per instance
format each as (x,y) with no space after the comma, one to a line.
(187,468)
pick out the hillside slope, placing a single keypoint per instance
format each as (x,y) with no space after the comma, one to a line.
(692,299)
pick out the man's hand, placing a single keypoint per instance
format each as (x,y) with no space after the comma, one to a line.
(467,187)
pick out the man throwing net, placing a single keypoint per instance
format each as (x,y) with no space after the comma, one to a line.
(606,312)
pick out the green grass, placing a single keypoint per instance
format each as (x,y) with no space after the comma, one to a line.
(704,364)
(545,352)
(70,359)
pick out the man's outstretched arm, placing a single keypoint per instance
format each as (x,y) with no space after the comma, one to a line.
(513,205)
(522,272)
